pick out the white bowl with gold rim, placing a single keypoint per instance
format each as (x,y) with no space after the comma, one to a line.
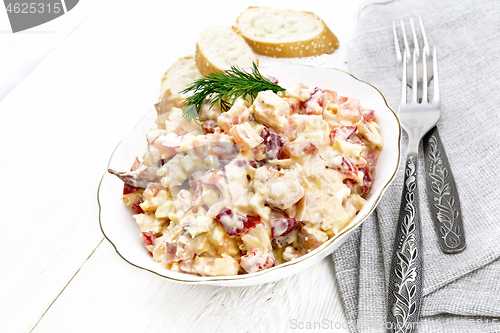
(119,227)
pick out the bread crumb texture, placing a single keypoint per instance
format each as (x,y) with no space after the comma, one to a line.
(220,47)
(285,33)
(181,74)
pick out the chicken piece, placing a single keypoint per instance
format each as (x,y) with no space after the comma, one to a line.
(271,110)
(169,101)
(238,114)
(282,189)
(311,238)
(350,109)
(245,136)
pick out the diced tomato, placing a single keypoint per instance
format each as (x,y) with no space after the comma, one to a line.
(350,109)
(367,181)
(335,96)
(137,208)
(349,169)
(343,99)
(371,159)
(256,260)
(209,126)
(369,115)
(294,104)
(343,132)
(282,226)
(310,149)
(317,102)
(348,165)
(251,222)
(149,238)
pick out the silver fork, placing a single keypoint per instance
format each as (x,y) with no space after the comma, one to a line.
(426,54)
(405,280)
(442,191)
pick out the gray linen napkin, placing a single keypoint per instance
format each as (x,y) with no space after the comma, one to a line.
(461,291)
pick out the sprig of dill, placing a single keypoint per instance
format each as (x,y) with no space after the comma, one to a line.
(225,87)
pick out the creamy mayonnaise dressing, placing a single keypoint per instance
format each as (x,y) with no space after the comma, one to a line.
(259,185)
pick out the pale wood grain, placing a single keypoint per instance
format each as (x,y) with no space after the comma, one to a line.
(109,295)
(58,128)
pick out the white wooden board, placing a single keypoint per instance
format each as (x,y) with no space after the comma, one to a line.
(58,128)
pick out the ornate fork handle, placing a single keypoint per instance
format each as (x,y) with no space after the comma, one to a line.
(405,281)
(443,195)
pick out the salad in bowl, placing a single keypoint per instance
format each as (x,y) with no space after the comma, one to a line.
(250,186)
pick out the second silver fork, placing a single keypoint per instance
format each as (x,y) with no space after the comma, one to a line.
(406,272)
(441,187)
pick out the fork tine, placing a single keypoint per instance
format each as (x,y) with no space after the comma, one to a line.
(403,81)
(415,40)
(405,41)
(424,36)
(424,79)
(414,84)
(396,43)
(436,98)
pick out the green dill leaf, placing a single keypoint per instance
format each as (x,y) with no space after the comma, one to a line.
(191,114)
(224,88)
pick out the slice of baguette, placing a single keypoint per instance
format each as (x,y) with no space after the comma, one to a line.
(219,47)
(181,74)
(285,33)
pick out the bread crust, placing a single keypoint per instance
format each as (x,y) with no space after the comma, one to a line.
(179,80)
(324,42)
(169,70)
(205,66)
